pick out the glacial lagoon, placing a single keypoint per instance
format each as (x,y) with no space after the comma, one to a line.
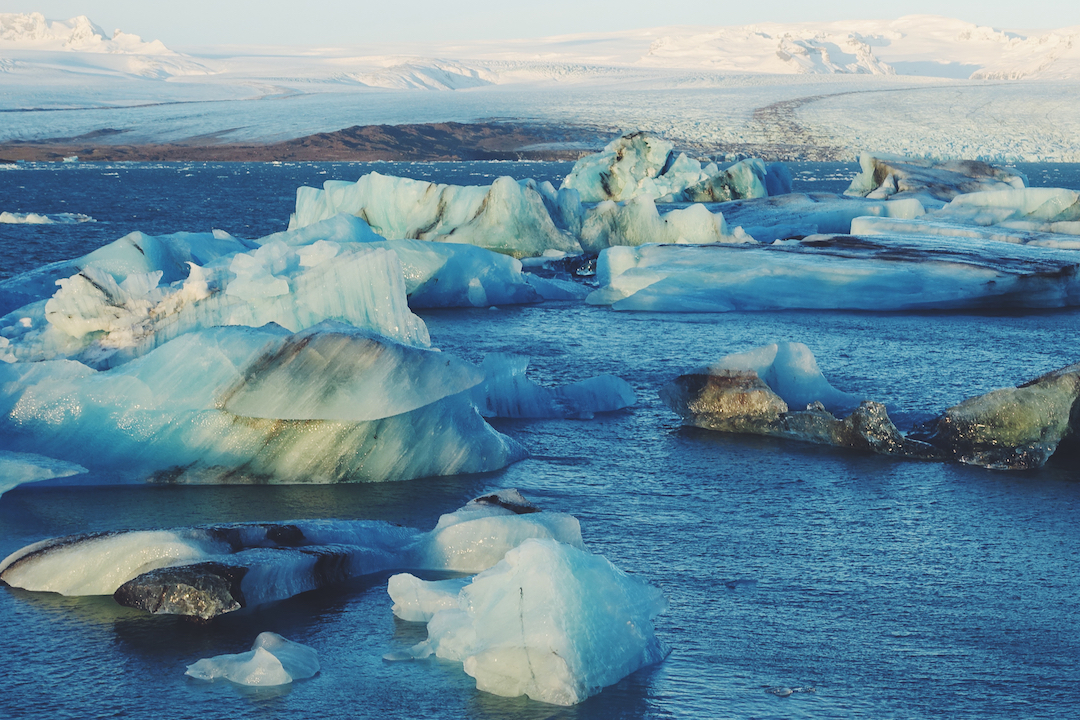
(874,586)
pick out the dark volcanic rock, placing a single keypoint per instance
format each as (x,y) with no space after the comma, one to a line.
(202,590)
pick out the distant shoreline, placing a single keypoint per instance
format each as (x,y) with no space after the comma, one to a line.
(428,142)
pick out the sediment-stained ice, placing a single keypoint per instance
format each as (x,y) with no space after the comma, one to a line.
(838,272)
(210,570)
(933,182)
(272,660)
(943,226)
(507,216)
(550,621)
(730,396)
(166,414)
(1013,428)
(506,392)
(1049,210)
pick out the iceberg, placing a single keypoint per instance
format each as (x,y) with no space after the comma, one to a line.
(507,393)
(19,468)
(730,396)
(933,182)
(1048,210)
(167,413)
(885,272)
(1013,428)
(507,216)
(550,621)
(796,215)
(642,165)
(638,221)
(959,231)
(211,570)
(272,661)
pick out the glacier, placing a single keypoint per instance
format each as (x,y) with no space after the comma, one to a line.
(207,571)
(550,621)
(272,660)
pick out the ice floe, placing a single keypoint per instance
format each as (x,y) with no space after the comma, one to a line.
(10,218)
(272,661)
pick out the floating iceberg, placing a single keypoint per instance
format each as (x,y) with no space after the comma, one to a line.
(637,222)
(507,216)
(933,182)
(1013,428)
(930,225)
(838,272)
(507,393)
(272,661)
(550,621)
(796,215)
(642,165)
(208,571)
(730,396)
(1049,210)
(168,412)
(19,468)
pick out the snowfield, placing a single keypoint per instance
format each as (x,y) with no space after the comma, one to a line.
(921,85)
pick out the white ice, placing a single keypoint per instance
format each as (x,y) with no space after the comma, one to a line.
(550,621)
(10,218)
(791,371)
(272,660)
(801,214)
(506,216)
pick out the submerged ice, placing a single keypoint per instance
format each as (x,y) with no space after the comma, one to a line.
(272,660)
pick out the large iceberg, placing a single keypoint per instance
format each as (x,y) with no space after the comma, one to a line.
(885,272)
(507,216)
(211,570)
(272,661)
(796,215)
(232,404)
(638,222)
(550,621)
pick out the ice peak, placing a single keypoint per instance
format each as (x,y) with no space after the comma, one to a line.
(32,31)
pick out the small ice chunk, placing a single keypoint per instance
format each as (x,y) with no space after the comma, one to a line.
(272,660)
(791,371)
(416,600)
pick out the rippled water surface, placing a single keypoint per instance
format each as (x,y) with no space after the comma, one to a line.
(893,589)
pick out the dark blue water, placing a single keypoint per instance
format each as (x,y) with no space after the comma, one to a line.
(894,589)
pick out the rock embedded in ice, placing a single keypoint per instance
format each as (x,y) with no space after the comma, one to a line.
(506,392)
(272,661)
(211,570)
(744,179)
(884,176)
(1013,428)
(731,397)
(549,621)
(507,216)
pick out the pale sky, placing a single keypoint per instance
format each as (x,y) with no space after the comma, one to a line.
(180,23)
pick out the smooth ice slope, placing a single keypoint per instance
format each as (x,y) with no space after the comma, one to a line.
(549,621)
(507,216)
(166,412)
(210,570)
(272,661)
